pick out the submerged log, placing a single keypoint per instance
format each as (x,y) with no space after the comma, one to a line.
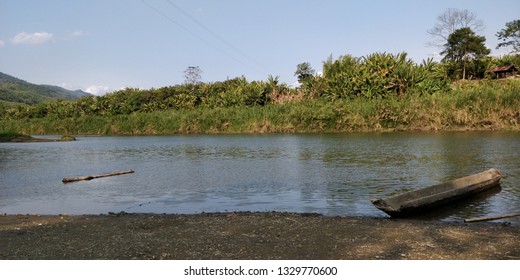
(491,218)
(86,178)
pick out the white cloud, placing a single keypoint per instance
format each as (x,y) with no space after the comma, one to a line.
(97,90)
(32,38)
(2,43)
(65,85)
(74,34)
(69,86)
(77,33)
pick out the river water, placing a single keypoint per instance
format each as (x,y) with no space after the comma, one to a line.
(331,174)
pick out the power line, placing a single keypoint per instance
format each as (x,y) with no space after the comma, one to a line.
(171,20)
(201,25)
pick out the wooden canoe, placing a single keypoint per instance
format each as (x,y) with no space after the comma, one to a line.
(425,199)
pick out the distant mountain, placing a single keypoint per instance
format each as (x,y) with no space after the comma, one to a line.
(19,91)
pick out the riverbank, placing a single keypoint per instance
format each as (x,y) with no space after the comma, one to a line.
(306,117)
(238,236)
(492,107)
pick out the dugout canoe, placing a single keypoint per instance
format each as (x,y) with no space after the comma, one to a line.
(425,199)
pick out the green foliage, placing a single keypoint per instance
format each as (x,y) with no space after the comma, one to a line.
(342,77)
(510,36)
(375,92)
(464,49)
(304,72)
(487,104)
(373,76)
(507,60)
(380,75)
(464,44)
(231,93)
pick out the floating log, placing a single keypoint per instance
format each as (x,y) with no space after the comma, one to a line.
(87,178)
(489,218)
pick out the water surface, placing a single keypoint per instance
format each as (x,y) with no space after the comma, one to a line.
(331,174)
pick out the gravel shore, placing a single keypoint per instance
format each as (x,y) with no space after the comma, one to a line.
(249,236)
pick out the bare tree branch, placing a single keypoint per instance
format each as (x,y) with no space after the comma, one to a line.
(451,20)
(193,75)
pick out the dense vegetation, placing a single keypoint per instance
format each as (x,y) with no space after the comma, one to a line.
(379,75)
(489,104)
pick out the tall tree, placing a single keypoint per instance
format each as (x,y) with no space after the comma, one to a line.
(193,75)
(451,20)
(510,36)
(463,46)
(304,72)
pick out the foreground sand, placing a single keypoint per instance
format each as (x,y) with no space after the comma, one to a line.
(250,236)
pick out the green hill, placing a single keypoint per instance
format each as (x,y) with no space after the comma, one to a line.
(14,90)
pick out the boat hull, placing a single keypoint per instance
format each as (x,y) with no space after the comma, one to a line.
(426,199)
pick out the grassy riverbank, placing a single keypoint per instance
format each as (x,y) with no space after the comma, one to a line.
(489,105)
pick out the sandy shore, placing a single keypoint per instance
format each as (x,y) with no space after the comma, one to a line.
(248,236)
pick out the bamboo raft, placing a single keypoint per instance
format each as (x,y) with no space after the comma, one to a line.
(426,199)
(87,178)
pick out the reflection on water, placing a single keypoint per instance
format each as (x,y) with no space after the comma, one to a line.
(332,174)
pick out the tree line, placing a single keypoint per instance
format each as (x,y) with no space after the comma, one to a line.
(235,92)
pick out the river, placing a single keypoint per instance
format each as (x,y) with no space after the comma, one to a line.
(330,174)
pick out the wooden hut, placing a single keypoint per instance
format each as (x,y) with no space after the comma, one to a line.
(503,71)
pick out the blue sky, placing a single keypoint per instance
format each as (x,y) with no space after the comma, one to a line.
(104,45)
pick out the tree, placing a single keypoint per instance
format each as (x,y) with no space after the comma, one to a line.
(304,72)
(510,36)
(463,46)
(451,20)
(193,75)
